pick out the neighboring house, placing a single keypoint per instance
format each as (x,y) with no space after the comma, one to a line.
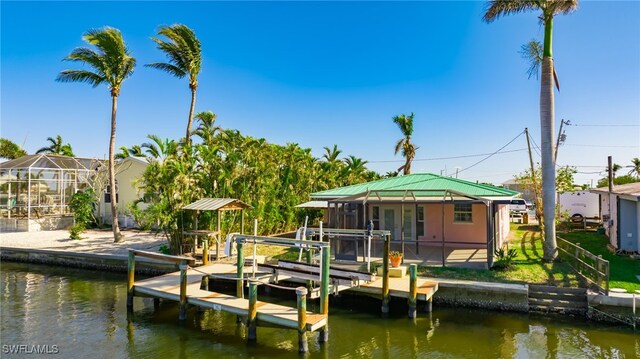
(526,193)
(128,171)
(425,213)
(623,227)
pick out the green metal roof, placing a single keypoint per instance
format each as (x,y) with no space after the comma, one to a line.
(419,182)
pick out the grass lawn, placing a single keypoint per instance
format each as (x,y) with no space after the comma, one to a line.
(622,269)
(527,266)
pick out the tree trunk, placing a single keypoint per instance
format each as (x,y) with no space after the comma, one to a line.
(191,110)
(117,237)
(547,147)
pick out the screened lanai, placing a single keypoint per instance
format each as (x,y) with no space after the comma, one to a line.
(41,185)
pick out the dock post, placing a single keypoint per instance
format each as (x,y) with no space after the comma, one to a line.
(240,268)
(130,279)
(385,274)
(309,261)
(413,279)
(303,346)
(428,307)
(205,251)
(183,290)
(323,335)
(251,320)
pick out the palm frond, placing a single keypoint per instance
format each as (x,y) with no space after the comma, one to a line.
(399,146)
(532,51)
(80,76)
(497,8)
(171,69)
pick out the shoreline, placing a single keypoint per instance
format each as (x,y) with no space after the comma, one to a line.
(98,252)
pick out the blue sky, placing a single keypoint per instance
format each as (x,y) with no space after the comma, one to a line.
(324,73)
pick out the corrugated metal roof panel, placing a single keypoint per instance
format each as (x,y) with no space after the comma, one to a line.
(214,204)
(314,204)
(417,182)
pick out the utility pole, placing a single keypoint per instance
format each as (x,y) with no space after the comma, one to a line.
(610,170)
(533,179)
(561,138)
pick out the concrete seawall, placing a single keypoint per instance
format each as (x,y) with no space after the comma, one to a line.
(109,262)
(485,295)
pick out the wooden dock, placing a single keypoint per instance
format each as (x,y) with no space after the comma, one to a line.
(399,287)
(168,287)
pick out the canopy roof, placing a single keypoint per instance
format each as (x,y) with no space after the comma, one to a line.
(420,185)
(314,204)
(217,204)
(50,161)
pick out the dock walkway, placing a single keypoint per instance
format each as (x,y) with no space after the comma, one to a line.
(168,287)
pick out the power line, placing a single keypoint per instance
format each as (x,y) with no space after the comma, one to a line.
(446,158)
(491,155)
(616,146)
(600,125)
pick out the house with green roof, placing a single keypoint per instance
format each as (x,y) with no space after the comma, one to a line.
(428,215)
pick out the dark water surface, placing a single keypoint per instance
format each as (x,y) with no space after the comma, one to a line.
(82,314)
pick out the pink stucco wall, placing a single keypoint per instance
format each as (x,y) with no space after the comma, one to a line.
(455,232)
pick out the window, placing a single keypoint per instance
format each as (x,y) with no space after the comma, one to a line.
(420,222)
(375,217)
(107,194)
(462,213)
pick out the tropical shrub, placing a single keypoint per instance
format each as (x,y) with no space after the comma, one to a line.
(504,258)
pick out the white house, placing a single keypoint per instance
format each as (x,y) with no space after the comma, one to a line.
(128,171)
(623,215)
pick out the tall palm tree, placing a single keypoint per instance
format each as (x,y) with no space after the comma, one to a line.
(110,63)
(57,147)
(184,54)
(635,169)
(405,123)
(549,9)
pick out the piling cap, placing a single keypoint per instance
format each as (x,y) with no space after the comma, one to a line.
(301,291)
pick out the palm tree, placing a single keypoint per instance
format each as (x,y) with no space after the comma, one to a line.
(111,63)
(405,123)
(57,147)
(125,152)
(635,168)
(183,52)
(549,8)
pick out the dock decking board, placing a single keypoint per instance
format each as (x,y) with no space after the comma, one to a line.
(168,287)
(399,287)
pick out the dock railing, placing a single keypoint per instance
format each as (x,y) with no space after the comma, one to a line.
(593,269)
(181,261)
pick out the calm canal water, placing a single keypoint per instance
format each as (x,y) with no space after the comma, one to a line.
(83,313)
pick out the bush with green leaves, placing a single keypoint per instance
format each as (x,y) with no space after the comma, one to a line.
(504,257)
(83,205)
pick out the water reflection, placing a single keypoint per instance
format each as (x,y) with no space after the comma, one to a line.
(84,313)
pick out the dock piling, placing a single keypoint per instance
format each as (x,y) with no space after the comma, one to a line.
(413,278)
(303,346)
(240,266)
(205,251)
(251,318)
(385,274)
(183,290)
(130,279)
(323,335)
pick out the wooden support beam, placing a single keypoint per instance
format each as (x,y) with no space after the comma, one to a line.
(183,290)
(205,251)
(251,320)
(303,346)
(413,292)
(218,229)
(131,271)
(385,274)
